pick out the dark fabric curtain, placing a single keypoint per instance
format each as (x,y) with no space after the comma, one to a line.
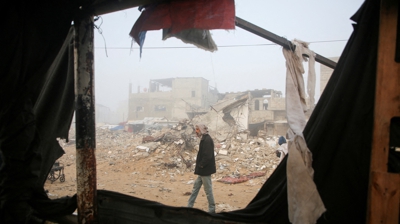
(54,107)
(33,33)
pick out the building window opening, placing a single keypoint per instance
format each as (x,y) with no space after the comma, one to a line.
(160,108)
(139,108)
(193,93)
(256,105)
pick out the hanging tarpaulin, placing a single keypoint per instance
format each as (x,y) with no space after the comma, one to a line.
(200,38)
(180,15)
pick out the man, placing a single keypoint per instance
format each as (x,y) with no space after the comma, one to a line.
(205,166)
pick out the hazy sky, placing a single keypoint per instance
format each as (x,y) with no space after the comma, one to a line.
(233,67)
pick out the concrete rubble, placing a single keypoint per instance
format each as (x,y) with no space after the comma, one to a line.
(237,155)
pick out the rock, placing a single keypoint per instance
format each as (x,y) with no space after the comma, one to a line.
(272,144)
(243,136)
(143,148)
(190,182)
(223,152)
(180,142)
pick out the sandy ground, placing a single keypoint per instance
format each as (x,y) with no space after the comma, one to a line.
(146,179)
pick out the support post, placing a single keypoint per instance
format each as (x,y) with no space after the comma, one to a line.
(384,187)
(278,40)
(85,120)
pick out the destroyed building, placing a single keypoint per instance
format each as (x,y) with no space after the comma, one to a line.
(260,110)
(172,98)
(257,112)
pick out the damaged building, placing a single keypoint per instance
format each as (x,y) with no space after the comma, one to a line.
(254,112)
(172,98)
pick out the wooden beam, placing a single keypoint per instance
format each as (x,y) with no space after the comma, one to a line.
(278,40)
(383,198)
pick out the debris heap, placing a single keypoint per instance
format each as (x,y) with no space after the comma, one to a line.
(239,157)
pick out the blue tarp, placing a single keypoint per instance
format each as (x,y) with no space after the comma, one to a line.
(119,127)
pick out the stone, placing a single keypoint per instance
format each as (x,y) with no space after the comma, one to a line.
(180,142)
(223,152)
(190,182)
(243,136)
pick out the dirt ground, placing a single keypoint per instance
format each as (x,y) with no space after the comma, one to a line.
(146,178)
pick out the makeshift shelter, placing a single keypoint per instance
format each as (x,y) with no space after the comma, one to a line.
(37,103)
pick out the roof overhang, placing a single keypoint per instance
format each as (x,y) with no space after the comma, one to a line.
(102,7)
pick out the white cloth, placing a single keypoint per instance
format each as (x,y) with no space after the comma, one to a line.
(305,204)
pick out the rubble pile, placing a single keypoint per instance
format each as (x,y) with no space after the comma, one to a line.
(174,149)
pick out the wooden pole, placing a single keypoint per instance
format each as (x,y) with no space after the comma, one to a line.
(85,120)
(384,187)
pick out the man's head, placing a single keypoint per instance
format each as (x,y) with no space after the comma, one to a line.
(201,129)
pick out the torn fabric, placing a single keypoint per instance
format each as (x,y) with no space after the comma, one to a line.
(142,37)
(304,202)
(200,38)
(177,16)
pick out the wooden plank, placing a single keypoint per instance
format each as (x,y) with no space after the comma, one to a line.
(385,194)
(383,201)
(387,93)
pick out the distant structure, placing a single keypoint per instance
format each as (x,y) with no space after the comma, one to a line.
(326,73)
(258,112)
(104,115)
(172,98)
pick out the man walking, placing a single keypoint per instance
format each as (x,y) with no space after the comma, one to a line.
(205,166)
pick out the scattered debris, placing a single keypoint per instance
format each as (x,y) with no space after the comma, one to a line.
(239,157)
(233,180)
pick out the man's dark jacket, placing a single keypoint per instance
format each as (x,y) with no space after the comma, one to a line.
(205,161)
